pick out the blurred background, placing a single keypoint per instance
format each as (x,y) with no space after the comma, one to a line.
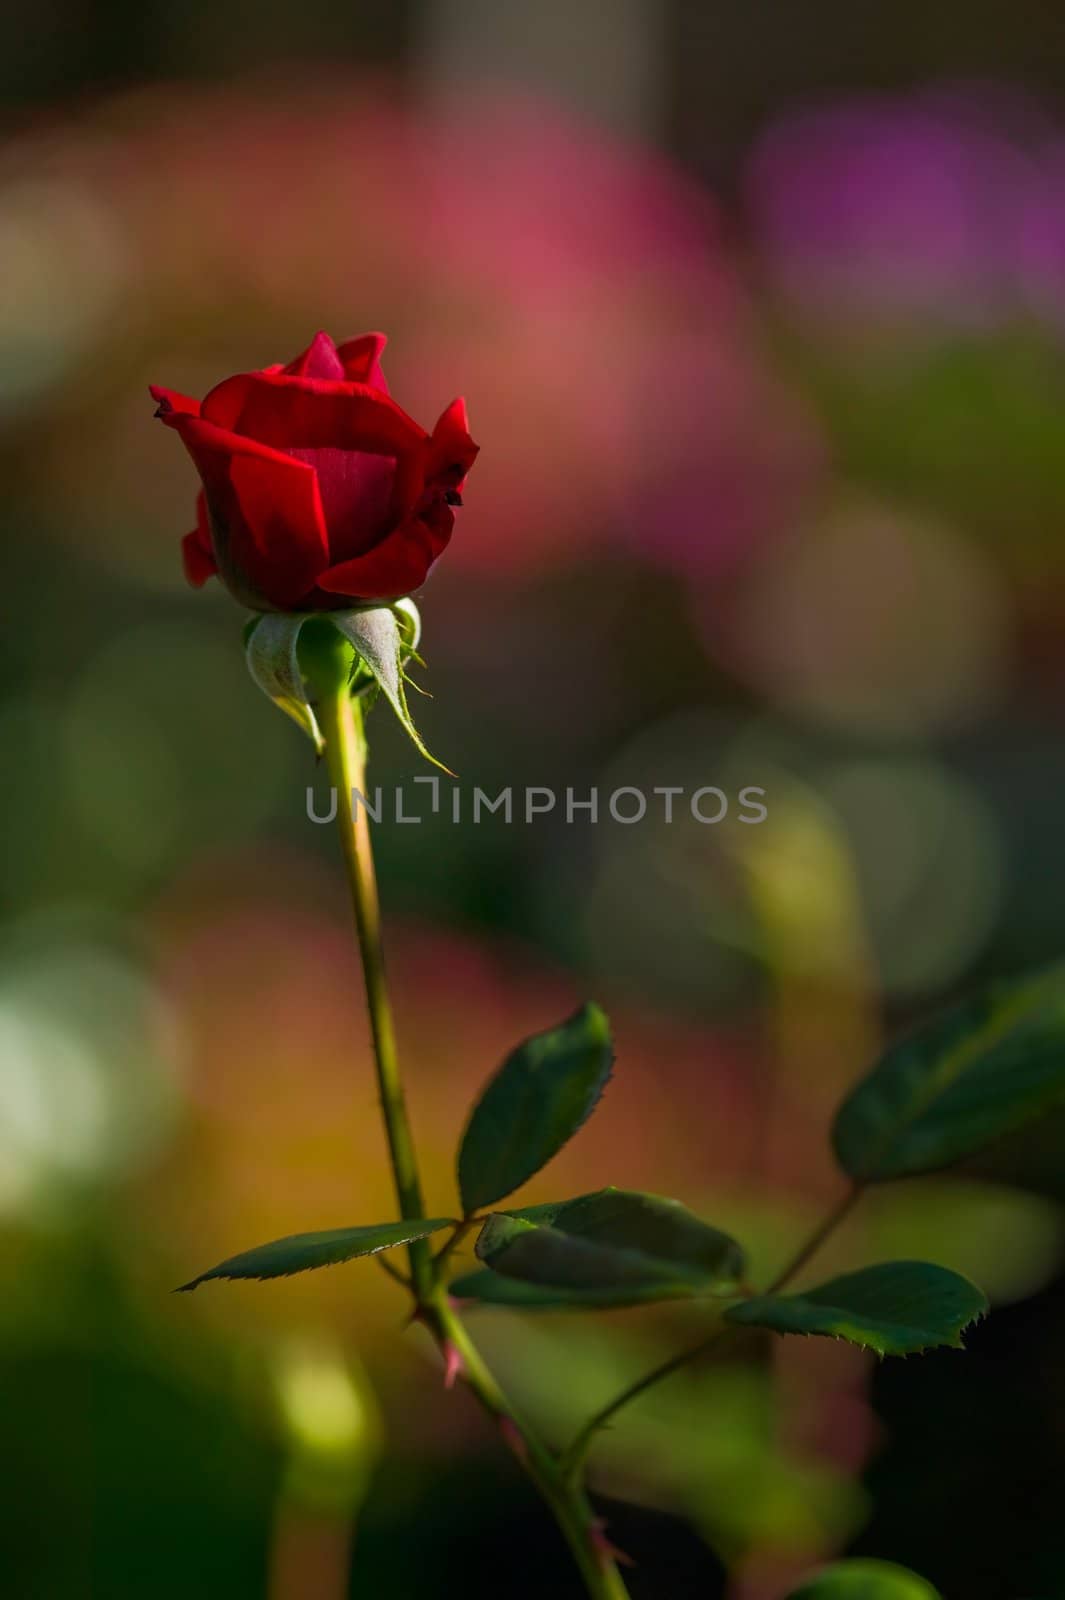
(760,315)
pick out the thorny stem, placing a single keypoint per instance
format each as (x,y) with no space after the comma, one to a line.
(573,1457)
(566,1499)
(345,739)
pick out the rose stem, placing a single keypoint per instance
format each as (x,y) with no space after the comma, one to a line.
(345,748)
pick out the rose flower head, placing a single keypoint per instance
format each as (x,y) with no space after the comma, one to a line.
(319,491)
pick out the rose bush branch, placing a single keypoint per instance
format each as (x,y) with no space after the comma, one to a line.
(574,1456)
(323,505)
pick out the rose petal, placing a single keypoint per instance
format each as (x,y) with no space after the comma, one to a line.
(196,551)
(399,564)
(308,413)
(357,496)
(169,401)
(268,530)
(438,521)
(319,360)
(362,360)
(451,452)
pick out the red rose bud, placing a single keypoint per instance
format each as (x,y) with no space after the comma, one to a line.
(318,490)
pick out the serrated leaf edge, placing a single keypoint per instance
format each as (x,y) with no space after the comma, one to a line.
(739,1315)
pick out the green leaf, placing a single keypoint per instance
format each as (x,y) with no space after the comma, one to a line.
(489,1288)
(896,1309)
(625,1219)
(984,1068)
(864,1580)
(299,1252)
(545,1090)
(380,638)
(614,1247)
(270,650)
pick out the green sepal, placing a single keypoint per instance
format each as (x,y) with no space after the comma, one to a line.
(383,638)
(271,651)
(410,623)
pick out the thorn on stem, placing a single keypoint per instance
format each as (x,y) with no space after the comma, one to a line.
(454,1366)
(514,1439)
(605,1551)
